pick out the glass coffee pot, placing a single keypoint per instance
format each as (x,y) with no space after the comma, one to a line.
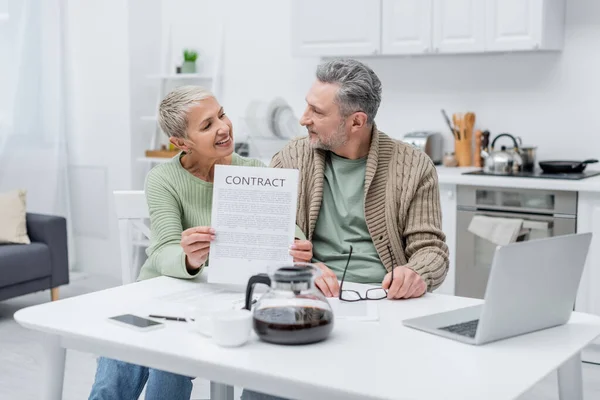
(293,311)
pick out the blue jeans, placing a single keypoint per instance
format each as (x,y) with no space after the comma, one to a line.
(117,380)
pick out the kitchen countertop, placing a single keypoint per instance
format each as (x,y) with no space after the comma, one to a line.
(454,176)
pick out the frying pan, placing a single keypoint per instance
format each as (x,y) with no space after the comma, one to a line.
(561,167)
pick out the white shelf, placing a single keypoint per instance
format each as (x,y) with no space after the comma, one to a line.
(180,76)
(154,160)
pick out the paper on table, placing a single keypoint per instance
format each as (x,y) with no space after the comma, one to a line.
(254,216)
(366,310)
(213,300)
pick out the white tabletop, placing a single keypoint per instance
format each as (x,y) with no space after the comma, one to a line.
(360,360)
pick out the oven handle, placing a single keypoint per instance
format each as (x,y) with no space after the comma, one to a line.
(520,210)
(522,215)
(527,217)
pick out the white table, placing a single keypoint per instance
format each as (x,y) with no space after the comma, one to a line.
(361,360)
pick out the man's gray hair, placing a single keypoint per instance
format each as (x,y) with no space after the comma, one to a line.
(360,88)
(173,109)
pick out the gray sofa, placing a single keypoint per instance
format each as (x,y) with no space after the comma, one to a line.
(41,265)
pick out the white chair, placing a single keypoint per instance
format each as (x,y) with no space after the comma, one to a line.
(132,212)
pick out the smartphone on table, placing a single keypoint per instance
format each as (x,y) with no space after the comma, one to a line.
(135,322)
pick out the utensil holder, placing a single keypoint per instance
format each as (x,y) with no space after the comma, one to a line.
(463,152)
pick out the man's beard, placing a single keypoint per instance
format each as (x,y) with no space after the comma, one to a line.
(338,139)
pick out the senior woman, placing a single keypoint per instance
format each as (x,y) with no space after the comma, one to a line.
(179,196)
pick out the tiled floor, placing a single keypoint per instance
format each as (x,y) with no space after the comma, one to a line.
(19,351)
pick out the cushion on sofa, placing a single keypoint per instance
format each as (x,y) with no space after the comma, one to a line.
(23,262)
(13,225)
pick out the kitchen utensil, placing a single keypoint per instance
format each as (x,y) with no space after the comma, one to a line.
(452,129)
(485,140)
(293,311)
(463,144)
(528,155)
(560,166)
(455,120)
(478,159)
(503,161)
(469,124)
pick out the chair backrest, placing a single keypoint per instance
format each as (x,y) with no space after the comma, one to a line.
(132,212)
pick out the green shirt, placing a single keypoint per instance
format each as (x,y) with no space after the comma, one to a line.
(177,200)
(341,223)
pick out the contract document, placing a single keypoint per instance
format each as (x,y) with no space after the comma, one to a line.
(254,217)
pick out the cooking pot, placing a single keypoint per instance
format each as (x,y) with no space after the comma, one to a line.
(528,156)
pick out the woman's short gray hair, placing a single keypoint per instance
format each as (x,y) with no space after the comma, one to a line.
(360,88)
(173,109)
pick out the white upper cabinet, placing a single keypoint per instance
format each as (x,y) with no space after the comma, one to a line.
(406,26)
(458,26)
(336,27)
(524,24)
(386,27)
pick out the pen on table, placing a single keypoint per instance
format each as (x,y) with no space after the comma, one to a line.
(178,319)
(167,318)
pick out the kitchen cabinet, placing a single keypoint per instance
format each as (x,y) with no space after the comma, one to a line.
(406,26)
(524,25)
(458,26)
(448,205)
(336,27)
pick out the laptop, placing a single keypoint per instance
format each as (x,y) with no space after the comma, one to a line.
(532,286)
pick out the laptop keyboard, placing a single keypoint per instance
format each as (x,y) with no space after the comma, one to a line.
(464,328)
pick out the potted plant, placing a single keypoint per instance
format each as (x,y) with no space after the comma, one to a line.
(189,61)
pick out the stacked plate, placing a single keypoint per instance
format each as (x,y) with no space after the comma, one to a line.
(274,119)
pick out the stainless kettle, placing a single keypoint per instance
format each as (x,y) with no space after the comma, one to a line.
(503,161)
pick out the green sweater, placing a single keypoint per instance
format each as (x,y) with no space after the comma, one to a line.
(177,200)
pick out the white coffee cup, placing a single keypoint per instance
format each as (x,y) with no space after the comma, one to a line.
(227,328)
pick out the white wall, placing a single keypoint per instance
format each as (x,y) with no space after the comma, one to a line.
(98,125)
(549,99)
(145,18)
(6,42)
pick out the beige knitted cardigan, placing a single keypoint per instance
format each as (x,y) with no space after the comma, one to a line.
(402,202)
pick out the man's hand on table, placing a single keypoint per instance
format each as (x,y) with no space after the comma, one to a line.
(407,284)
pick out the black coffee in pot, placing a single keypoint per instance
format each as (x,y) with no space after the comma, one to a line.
(293,325)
